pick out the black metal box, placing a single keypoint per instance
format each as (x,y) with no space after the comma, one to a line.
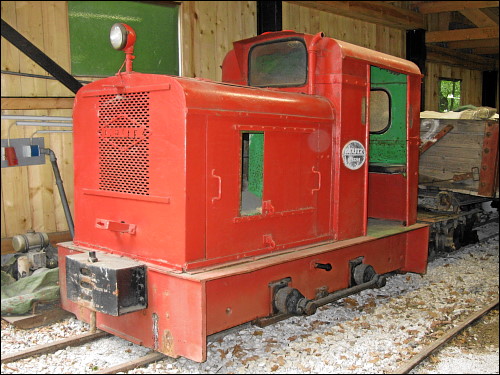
(106,283)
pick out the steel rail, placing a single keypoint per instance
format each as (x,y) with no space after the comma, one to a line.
(134,363)
(79,340)
(406,367)
(53,346)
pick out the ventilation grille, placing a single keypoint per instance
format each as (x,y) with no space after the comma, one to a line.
(124,143)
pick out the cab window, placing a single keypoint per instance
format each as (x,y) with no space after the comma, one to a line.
(380,111)
(281,63)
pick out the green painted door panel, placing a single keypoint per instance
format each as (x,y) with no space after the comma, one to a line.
(388,147)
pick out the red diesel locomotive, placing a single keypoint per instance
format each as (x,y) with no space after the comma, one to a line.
(202,205)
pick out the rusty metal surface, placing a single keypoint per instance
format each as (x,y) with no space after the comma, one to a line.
(425,146)
(488,177)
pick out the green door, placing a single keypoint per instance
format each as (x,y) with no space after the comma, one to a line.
(387,117)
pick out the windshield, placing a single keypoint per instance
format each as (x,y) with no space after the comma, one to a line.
(280,63)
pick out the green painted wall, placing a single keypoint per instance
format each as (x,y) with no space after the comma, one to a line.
(156,48)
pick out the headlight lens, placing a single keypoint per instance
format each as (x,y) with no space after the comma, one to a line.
(118,36)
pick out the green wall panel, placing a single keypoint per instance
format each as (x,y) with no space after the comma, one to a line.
(156,48)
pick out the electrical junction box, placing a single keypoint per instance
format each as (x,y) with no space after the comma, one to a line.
(27,151)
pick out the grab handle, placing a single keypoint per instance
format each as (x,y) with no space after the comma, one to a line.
(115,226)
(319,180)
(217,198)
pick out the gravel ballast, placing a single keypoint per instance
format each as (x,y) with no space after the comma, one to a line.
(372,332)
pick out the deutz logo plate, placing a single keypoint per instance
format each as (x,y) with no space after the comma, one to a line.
(354,155)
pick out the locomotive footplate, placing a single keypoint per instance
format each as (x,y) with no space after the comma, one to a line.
(106,283)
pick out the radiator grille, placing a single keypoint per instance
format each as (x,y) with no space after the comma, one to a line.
(124,143)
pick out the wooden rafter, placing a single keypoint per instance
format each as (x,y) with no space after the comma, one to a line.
(478,18)
(461,34)
(485,51)
(453,6)
(370,11)
(479,43)
(450,57)
(492,13)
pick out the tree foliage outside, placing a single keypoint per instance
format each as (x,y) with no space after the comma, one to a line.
(449,94)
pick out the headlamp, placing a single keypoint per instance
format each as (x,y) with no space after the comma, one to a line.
(118,36)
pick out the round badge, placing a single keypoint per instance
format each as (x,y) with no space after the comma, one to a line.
(354,155)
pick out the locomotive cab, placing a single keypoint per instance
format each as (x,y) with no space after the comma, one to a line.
(375,96)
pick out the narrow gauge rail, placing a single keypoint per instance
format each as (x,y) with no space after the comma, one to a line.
(406,367)
(79,340)
(98,334)
(54,346)
(156,356)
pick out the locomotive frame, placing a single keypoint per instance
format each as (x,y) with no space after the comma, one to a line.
(167,247)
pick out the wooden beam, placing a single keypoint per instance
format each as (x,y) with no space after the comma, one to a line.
(377,12)
(37,103)
(485,51)
(478,43)
(462,34)
(478,17)
(464,60)
(41,318)
(443,21)
(453,6)
(492,13)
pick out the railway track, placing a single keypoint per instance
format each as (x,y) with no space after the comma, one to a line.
(405,368)
(144,360)
(438,344)
(91,336)
(80,340)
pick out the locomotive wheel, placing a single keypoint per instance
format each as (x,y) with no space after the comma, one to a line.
(363,273)
(289,301)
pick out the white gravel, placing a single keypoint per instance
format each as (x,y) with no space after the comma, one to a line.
(372,332)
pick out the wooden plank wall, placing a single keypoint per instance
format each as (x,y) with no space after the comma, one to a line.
(208,31)
(30,198)
(472,83)
(380,38)
(472,80)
